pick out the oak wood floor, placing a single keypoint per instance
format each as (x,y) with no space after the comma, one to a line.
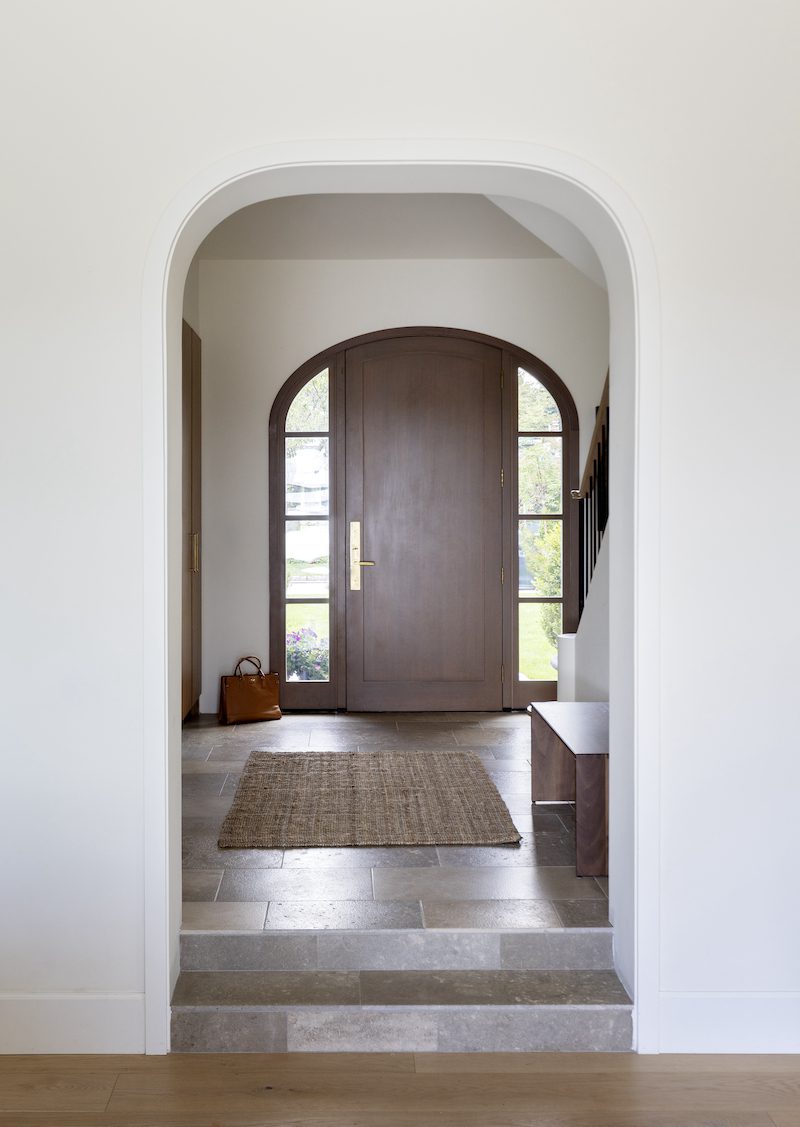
(401,1090)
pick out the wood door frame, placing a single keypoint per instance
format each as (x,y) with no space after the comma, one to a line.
(333,694)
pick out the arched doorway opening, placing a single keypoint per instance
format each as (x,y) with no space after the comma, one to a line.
(598,209)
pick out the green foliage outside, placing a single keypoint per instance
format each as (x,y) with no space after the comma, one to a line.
(537,409)
(309,409)
(535,648)
(308,641)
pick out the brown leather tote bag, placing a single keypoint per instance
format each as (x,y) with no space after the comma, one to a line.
(247,697)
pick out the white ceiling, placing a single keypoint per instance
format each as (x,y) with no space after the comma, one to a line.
(373,226)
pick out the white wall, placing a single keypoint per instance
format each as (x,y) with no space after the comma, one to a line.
(261,319)
(591,638)
(109,111)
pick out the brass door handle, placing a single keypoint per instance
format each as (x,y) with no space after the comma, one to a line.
(356,562)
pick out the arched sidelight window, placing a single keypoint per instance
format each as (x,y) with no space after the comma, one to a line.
(302,532)
(540,528)
(311,586)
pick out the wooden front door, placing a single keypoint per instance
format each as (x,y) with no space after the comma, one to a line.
(423,497)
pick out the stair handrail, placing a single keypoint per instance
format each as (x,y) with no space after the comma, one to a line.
(600,421)
(592,496)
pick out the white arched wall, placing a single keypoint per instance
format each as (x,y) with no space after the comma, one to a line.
(602,212)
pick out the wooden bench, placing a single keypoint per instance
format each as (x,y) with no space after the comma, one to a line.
(569,763)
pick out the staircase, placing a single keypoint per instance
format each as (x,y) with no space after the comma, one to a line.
(400,991)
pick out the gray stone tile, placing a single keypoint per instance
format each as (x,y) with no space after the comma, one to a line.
(324,745)
(273,729)
(447,719)
(549,849)
(552,1028)
(582,913)
(311,1031)
(513,754)
(490,738)
(514,782)
(231,1031)
(206,784)
(231,783)
(361,857)
(260,951)
(222,916)
(425,731)
(491,988)
(433,738)
(343,914)
(200,851)
(603,882)
(192,752)
(280,740)
(495,914)
(201,884)
(202,826)
(300,884)
(419,950)
(267,988)
(491,882)
(557,950)
(206,806)
(229,757)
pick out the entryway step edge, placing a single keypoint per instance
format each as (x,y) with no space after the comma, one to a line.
(399,949)
(402,1029)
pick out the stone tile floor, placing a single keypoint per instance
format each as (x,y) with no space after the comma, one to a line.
(532,885)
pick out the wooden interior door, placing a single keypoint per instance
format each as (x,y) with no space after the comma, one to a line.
(191,639)
(423,483)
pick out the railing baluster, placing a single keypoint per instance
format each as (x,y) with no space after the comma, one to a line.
(593,497)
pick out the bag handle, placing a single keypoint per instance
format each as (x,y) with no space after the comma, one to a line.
(253,661)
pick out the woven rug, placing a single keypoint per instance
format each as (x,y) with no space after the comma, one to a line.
(291,800)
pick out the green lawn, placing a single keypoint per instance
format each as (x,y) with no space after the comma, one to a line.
(315,615)
(535,650)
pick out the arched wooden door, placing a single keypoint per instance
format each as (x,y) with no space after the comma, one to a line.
(421,558)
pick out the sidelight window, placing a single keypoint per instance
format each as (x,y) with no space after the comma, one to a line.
(307,532)
(540,529)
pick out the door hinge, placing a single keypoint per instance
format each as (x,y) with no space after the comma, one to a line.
(502,673)
(502,575)
(502,379)
(502,478)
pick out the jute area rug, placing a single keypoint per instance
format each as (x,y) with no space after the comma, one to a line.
(292,800)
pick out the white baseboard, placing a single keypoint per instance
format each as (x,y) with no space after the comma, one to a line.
(71,1023)
(730,1023)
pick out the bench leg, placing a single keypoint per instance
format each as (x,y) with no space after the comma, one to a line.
(591,815)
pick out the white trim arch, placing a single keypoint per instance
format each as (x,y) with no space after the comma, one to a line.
(594,204)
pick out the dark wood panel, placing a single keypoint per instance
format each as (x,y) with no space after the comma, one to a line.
(423,477)
(552,765)
(191,653)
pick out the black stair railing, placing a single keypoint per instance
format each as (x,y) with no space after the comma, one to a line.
(592,496)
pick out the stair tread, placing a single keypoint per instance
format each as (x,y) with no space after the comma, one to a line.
(400,988)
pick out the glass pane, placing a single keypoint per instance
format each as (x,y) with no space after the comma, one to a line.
(539,626)
(308,642)
(537,408)
(539,558)
(539,484)
(306,475)
(309,409)
(307,559)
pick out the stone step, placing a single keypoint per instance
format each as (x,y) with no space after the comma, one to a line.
(400,1011)
(556,949)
